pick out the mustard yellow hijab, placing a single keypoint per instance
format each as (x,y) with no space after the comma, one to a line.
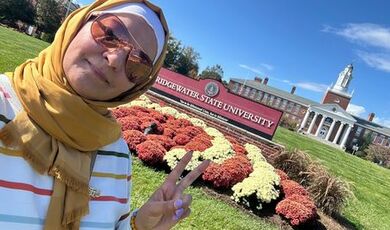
(58,131)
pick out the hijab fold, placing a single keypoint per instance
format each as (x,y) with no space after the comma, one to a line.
(58,131)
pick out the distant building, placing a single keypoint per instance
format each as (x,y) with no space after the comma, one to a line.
(327,121)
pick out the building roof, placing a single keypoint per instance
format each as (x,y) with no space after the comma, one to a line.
(372,126)
(277,92)
(334,109)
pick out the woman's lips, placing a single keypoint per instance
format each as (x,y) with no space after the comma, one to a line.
(99,74)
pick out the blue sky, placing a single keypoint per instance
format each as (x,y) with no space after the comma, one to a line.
(304,43)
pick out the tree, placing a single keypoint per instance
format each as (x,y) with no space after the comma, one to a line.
(49,16)
(187,63)
(174,50)
(214,72)
(14,10)
(183,60)
(379,154)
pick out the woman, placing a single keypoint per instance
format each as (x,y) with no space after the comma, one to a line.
(63,164)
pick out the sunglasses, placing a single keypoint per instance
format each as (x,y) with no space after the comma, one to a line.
(110,32)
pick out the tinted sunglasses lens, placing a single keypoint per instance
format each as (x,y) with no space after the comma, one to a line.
(137,71)
(109,31)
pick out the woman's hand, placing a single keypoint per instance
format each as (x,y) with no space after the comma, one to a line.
(168,205)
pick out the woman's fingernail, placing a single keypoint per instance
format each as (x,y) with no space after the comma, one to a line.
(178,203)
(179,212)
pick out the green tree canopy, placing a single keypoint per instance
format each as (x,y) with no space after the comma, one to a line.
(49,15)
(214,72)
(13,10)
(182,59)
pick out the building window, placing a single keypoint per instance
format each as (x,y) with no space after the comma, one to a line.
(284,104)
(290,106)
(277,103)
(296,109)
(259,95)
(379,139)
(388,142)
(235,87)
(253,93)
(358,131)
(265,98)
(271,100)
(246,92)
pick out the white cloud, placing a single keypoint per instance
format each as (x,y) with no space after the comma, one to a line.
(382,121)
(251,69)
(364,33)
(356,110)
(378,61)
(367,35)
(267,66)
(312,86)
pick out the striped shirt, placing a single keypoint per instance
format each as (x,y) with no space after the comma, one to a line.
(25,194)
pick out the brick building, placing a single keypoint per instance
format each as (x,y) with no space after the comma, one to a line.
(327,121)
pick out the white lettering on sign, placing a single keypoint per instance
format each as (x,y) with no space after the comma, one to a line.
(216,103)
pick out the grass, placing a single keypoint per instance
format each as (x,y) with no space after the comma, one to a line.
(370,209)
(15,48)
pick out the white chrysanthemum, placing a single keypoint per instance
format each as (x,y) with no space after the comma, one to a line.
(198,122)
(254,153)
(220,151)
(213,132)
(173,157)
(182,115)
(169,110)
(153,106)
(138,103)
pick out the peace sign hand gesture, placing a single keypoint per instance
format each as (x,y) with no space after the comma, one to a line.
(168,205)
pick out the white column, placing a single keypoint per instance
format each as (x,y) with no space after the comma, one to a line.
(330,131)
(303,124)
(338,133)
(312,123)
(319,127)
(346,136)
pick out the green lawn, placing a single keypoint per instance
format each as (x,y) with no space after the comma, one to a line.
(371,207)
(15,48)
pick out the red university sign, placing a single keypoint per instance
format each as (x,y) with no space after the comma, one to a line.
(212,98)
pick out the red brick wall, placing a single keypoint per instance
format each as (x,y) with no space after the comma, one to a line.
(268,149)
(330,98)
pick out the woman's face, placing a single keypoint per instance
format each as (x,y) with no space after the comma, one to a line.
(96,73)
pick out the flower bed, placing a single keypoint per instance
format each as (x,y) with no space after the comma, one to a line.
(239,168)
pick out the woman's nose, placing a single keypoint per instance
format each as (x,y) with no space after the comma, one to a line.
(117,58)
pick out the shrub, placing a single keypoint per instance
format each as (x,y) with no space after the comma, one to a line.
(177,124)
(129,123)
(219,151)
(232,140)
(198,122)
(378,154)
(165,141)
(190,131)
(195,146)
(283,176)
(295,163)
(123,112)
(297,209)
(239,149)
(329,193)
(230,172)
(290,187)
(181,139)
(169,132)
(288,123)
(254,153)
(213,132)
(151,153)
(133,138)
(158,116)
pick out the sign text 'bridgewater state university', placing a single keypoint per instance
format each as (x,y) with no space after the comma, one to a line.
(212,98)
